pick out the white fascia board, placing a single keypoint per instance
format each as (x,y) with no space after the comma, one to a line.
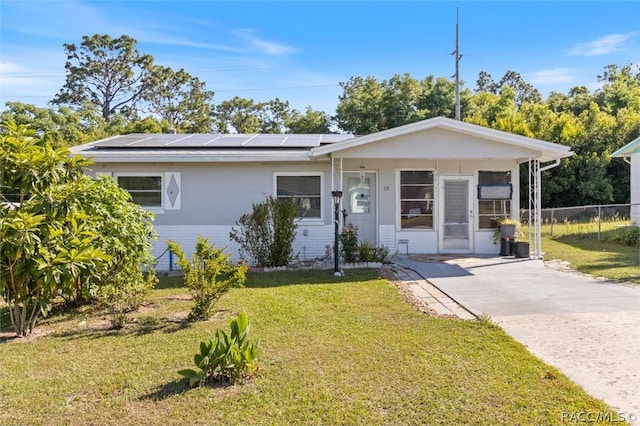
(632,148)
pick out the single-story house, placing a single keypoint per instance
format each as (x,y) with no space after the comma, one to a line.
(434,186)
(631,154)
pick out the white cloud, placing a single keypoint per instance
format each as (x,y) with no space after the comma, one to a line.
(553,76)
(603,46)
(153,37)
(263,46)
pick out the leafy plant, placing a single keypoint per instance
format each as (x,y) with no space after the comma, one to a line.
(126,231)
(126,292)
(498,230)
(226,357)
(48,244)
(349,243)
(209,275)
(368,253)
(266,234)
(628,235)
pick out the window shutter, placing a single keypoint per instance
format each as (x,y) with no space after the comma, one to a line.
(172,191)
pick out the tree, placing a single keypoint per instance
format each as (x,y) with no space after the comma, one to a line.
(485,83)
(60,127)
(439,98)
(274,116)
(524,92)
(488,109)
(239,114)
(359,110)
(65,234)
(368,106)
(46,244)
(311,122)
(179,98)
(107,72)
(401,96)
(147,125)
(576,101)
(621,89)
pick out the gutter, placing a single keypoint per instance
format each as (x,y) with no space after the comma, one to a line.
(556,163)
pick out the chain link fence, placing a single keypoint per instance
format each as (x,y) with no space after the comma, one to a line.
(562,219)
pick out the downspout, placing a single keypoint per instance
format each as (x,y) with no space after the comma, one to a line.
(538,232)
(627,160)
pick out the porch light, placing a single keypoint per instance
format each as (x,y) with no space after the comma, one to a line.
(362,173)
(337,195)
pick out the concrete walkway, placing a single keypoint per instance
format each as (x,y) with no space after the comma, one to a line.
(586,327)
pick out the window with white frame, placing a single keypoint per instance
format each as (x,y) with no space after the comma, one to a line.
(305,189)
(490,210)
(145,190)
(416,199)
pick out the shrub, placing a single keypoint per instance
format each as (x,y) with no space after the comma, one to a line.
(368,253)
(628,235)
(209,275)
(126,292)
(266,234)
(227,357)
(349,243)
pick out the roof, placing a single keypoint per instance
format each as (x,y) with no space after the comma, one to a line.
(199,140)
(198,147)
(548,151)
(284,147)
(632,148)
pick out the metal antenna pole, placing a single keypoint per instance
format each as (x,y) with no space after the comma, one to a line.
(458,56)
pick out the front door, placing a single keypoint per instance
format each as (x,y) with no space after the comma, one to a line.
(360,204)
(456,231)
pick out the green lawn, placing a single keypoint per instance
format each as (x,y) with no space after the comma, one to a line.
(578,244)
(332,351)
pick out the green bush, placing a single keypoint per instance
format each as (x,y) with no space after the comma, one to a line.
(209,276)
(266,234)
(368,253)
(227,357)
(628,235)
(126,292)
(349,243)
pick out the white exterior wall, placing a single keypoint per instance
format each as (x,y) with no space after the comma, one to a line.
(426,240)
(213,197)
(307,247)
(635,189)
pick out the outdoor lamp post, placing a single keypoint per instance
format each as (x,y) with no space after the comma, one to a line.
(337,195)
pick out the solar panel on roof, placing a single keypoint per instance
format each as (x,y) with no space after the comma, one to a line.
(260,140)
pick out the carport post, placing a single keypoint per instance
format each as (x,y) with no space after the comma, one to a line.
(337,195)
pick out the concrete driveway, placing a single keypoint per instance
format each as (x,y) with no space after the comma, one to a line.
(586,327)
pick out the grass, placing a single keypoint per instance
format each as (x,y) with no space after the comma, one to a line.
(578,244)
(332,351)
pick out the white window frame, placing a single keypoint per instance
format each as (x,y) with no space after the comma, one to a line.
(308,220)
(477,201)
(434,216)
(154,209)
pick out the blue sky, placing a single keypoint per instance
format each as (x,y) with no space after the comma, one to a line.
(300,51)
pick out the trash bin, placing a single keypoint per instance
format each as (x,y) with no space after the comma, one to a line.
(505,247)
(522,249)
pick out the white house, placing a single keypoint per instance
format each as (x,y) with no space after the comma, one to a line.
(631,154)
(437,184)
